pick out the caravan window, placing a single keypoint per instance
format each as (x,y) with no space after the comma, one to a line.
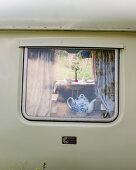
(70,84)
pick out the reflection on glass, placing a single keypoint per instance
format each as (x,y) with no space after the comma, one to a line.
(70,83)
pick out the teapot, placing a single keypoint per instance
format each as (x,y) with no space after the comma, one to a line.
(81,104)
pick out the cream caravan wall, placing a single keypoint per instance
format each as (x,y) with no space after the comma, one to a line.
(100,146)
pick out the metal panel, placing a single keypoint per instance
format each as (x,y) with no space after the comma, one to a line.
(68,15)
(68,42)
(100,146)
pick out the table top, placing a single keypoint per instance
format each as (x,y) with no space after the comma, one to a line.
(72,83)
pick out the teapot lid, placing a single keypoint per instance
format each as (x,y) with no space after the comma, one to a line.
(82,97)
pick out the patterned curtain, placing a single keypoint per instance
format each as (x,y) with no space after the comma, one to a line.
(39,81)
(104,76)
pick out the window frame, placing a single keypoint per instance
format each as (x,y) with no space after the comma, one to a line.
(63,119)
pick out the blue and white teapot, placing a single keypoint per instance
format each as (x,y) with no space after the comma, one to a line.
(80,104)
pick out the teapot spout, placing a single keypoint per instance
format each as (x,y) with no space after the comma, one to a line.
(91,106)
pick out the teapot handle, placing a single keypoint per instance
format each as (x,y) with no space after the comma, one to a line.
(70,98)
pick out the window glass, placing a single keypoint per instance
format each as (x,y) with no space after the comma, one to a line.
(70,84)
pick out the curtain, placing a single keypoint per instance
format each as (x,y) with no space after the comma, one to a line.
(39,81)
(104,76)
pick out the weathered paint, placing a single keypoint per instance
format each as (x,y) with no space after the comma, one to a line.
(100,146)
